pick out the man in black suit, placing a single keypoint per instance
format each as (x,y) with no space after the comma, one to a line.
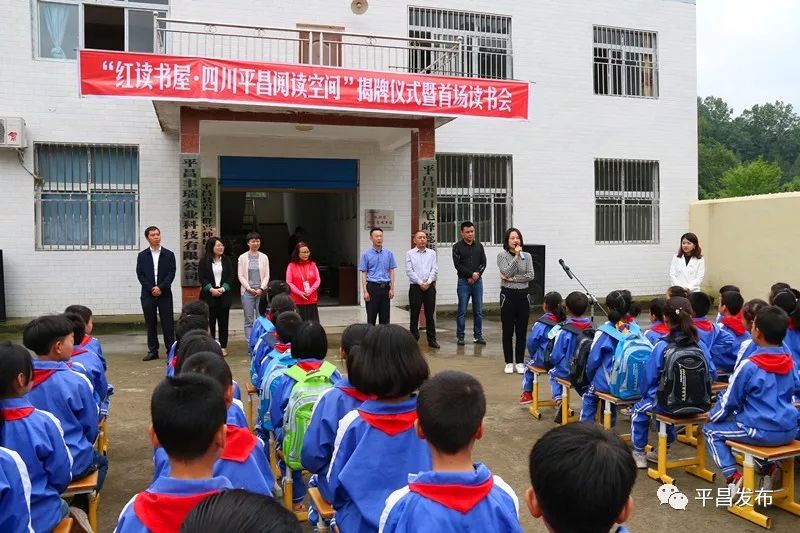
(155,268)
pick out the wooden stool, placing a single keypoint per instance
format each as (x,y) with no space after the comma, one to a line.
(690,436)
(273,458)
(65,526)
(608,400)
(536,403)
(782,498)
(87,485)
(567,414)
(101,444)
(251,392)
(324,509)
(288,492)
(694,465)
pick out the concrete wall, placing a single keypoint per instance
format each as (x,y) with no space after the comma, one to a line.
(749,242)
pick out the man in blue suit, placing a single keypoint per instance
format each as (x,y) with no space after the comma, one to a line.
(155,268)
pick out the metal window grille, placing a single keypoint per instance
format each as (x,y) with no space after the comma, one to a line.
(626,201)
(477,188)
(485,43)
(625,62)
(87,196)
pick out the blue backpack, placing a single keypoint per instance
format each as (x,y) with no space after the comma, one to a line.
(276,367)
(630,358)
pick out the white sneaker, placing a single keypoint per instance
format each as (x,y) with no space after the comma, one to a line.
(640,458)
(520,368)
(509,368)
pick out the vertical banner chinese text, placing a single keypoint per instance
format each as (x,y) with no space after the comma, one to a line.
(190,224)
(427,199)
(208,207)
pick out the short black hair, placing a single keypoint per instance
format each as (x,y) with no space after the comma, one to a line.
(241,511)
(577,303)
(281,303)
(212,365)
(677,290)
(389,364)
(776,288)
(351,342)
(450,407)
(276,287)
(41,333)
(252,235)
(82,310)
(78,326)
(733,300)
(728,288)
(148,229)
(187,411)
(14,360)
(192,344)
(310,341)
(587,466)
(374,229)
(286,326)
(751,309)
(195,307)
(772,322)
(701,303)
(657,306)
(467,224)
(187,323)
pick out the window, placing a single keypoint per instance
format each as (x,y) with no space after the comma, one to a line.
(485,43)
(476,188)
(87,196)
(107,25)
(625,62)
(626,201)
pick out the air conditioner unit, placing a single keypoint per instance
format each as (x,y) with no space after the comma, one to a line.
(12,132)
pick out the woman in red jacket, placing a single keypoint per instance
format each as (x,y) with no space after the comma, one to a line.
(302,276)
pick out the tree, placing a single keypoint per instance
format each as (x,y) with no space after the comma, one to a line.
(773,132)
(713,161)
(758,177)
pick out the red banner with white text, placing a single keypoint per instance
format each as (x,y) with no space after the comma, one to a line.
(161,77)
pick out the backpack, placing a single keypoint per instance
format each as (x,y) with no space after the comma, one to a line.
(304,395)
(262,325)
(630,358)
(547,355)
(580,356)
(684,387)
(275,368)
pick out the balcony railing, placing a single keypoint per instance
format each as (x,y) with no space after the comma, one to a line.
(315,47)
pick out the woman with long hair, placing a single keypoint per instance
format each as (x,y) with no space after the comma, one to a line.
(216,280)
(302,275)
(516,271)
(688,266)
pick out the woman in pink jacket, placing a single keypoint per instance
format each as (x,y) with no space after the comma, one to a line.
(302,275)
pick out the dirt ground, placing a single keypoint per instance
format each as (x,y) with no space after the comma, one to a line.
(511,432)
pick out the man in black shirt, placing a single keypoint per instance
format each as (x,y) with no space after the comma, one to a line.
(470,262)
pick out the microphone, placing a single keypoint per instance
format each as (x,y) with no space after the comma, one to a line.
(565,267)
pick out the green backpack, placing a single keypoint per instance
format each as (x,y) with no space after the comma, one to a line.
(305,393)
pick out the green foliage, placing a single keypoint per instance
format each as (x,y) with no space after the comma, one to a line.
(758,177)
(713,161)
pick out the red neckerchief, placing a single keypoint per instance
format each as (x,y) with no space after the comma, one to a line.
(270,316)
(550,316)
(461,498)
(239,444)
(580,325)
(281,347)
(703,323)
(308,366)
(78,351)
(660,328)
(393,424)
(17,413)
(628,319)
(165,513)
(41,375)
(86,340)
(357,394)
(780,363)
(734,324)
(792,324)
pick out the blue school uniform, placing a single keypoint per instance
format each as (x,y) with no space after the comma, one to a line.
(263,332)
(598,368)
(657,330)
(749,347)
(452,502)
(720,343)
(37,436)
(735,328)
(89,364)
(562,353)
(376,448)
(648,387)
(237,391)
(68,396)
(171,359)
(243,462)
(15,491)
(259,364)
(756,408)
(165,504)
(236,416)
(537,342)
(792,342)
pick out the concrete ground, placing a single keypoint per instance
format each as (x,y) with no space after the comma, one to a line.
(511,431)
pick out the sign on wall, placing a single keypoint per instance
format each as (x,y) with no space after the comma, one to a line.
(427,199)
(208,207)
(379,218)
(163,77)
(190,219)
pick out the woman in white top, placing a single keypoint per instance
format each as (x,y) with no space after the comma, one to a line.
(216,281)
(253,270)
(688,267)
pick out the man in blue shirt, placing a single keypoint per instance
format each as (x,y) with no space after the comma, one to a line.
(377,278)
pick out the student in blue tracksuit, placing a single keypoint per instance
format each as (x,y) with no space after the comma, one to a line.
(758,405)
(749,312)
(565,343)
(788,301)
(92,344)
(621,312)
(538,339)
(376,445)
(87,362)
(720,343)
(64,393)
(188,421)
(682,333)
(732,322)
(274,365)
(286,325)
(240,511)
(15,515)
(186,327)
(657,327)
(456,494)
(243,460)
(723,290)
(263,332)
(585,502)
(36,436)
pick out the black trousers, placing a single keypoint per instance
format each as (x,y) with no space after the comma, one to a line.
(515,310)
(152,309)
(417,298)
(219,312)
(378,304)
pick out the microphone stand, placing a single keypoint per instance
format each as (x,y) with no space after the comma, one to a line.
(592,299)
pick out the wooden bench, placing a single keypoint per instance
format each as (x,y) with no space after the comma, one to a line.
(783,498)
(88,486)
(691,433)
(567,414)
(251,392)
(324,509)
(288,492)
(536,403)
(609,400)
(693,465)
(65,526)
(101,443)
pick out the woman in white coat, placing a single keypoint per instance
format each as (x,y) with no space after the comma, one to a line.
(688,266)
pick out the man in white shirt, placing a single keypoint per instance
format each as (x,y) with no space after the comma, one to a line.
(155,268)
(422,267)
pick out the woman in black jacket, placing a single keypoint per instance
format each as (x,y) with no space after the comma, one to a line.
(216,281)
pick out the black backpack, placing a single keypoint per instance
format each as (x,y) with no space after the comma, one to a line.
(580,355)
(547,355)
(684,387)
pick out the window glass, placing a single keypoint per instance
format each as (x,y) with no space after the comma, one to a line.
(58,30)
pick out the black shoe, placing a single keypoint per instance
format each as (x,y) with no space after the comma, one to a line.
(460,341)
(480,340)
(433,344)
(150,357)
(558,418)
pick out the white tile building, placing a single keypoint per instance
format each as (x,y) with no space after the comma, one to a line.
(601,174)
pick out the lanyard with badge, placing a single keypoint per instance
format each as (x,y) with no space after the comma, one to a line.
(306,284)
